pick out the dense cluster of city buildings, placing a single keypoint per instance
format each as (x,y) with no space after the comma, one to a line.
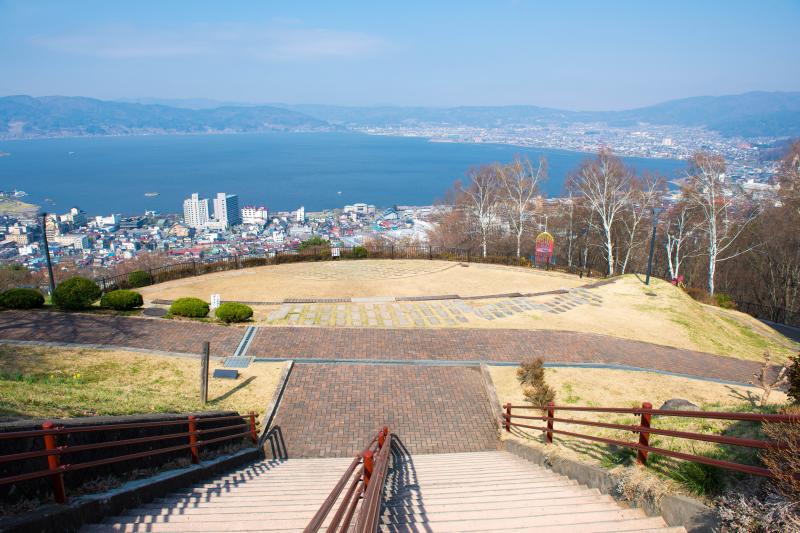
(640,140)
(207,229)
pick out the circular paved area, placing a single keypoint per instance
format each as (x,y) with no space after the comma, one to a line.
(362,344)
(362,279)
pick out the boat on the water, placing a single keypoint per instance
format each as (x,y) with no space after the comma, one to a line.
(149,194)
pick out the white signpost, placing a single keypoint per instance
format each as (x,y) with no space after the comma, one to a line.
(214,301)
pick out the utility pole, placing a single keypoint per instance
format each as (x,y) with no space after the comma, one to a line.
(204,359)
(47,255)
(656,211)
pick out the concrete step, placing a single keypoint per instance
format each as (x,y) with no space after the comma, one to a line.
(639,525)
(573,523)
(153,509)
(430,488)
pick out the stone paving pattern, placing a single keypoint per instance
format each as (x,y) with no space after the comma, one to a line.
(418,314)
(433,409)
(460,344)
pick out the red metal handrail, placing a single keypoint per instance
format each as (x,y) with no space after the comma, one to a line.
(644,430)
(53,452)
(367,484)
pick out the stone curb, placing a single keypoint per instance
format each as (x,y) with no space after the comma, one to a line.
(277,396)
(491,394)
(94,507)
(676,510)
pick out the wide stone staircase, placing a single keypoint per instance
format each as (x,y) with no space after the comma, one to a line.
(480,491)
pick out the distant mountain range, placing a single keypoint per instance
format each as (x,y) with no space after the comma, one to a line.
(754,114)
(749,115)
(26,116)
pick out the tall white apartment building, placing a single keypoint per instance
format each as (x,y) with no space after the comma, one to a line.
(195,211)
(300,214)
(226,210)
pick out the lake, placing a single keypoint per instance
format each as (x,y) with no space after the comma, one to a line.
(280,170)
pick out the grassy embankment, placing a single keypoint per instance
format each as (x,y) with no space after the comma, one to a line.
(43,382)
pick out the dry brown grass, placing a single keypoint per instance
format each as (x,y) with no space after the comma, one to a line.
(365,278)
(669,317)
(45,382)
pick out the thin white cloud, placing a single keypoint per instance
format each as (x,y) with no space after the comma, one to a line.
(279,40)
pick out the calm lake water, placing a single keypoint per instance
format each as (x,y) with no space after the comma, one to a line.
(279,170)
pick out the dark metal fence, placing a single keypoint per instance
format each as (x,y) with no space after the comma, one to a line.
(767,312)
(197,267)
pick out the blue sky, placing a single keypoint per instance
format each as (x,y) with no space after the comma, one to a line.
(566,54)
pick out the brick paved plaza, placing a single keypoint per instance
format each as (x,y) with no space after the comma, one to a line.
(331,410)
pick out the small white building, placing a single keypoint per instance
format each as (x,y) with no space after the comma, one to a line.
(72,240)
(255,215)
(360,209)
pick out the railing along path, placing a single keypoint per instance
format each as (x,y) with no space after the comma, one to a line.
(644,430)
(366,476)
(195,438)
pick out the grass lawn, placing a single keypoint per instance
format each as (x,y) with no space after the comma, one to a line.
(45,382)
(617,388)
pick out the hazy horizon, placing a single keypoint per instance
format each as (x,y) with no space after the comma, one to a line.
(573,56)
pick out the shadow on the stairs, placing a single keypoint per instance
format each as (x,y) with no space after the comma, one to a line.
(403,506)
(273,444)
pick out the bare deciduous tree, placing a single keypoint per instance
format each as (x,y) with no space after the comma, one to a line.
(604,183)
(519,185)
(644,196)
(481,195)
(789,177)
(722,223)
(680,229)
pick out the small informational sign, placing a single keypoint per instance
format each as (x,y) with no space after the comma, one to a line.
(214,301)
(335,252)
(224,373)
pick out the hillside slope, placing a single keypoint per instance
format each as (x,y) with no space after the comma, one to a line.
(663,314)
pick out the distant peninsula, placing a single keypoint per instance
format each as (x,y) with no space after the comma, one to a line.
(12,207)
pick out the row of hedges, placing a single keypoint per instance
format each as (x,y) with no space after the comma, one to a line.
(80,293)
(74,294)
(196,308)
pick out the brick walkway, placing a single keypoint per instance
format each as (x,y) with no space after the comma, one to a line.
(130,332)
(501,345)
(331,410)
(504,345)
